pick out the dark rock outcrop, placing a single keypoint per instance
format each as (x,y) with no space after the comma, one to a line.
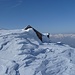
(37,32)
(39,35)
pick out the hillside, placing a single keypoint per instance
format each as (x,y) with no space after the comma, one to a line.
(23,53)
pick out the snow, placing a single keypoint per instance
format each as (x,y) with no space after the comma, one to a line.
(22,53)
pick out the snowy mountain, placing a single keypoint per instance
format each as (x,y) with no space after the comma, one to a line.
(23,53)
(64,38)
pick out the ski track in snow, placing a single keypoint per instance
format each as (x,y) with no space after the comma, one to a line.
(22,53)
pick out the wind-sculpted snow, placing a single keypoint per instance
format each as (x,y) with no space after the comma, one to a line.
(22,53)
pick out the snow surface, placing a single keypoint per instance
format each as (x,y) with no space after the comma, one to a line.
(22,53)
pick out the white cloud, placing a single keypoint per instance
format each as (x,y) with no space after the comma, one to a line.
(19,2)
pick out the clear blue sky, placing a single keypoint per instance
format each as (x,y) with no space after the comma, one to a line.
(54,16)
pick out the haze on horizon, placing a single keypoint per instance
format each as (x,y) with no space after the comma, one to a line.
(54,16)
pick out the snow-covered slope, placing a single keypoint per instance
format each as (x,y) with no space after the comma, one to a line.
(22,53)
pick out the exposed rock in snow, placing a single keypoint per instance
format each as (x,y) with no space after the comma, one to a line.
(43,38)
(22,53)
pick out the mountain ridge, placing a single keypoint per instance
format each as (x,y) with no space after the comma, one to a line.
(22,53)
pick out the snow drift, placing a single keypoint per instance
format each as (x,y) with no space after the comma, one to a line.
(22,53)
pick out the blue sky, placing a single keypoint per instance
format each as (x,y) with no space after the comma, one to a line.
(54,16)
